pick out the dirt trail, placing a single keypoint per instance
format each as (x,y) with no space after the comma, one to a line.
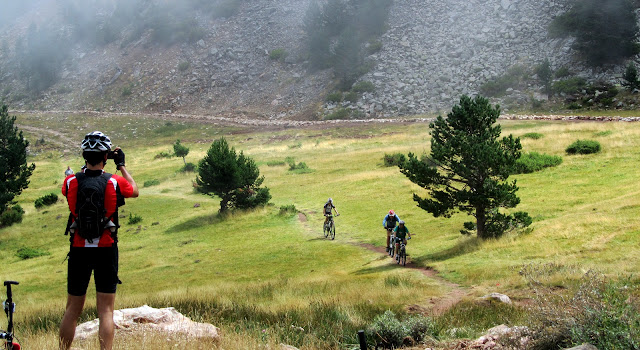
(437,305)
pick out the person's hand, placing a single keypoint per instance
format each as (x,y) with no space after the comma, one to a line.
(118,157)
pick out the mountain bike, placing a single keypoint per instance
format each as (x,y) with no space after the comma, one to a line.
(329,228)
(392,245)
(9,309)
(401,258)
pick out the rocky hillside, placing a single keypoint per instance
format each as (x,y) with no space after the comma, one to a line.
(433,52)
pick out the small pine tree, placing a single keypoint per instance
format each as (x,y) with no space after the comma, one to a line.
(545,74)
(630,77)
(13,160)
(233,177)
(180,151)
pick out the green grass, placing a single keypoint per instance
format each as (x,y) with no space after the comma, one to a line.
(261,270)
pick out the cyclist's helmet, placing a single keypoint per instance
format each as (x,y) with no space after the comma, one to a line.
(96,142)
(401,222)
(330,200)
(392,213)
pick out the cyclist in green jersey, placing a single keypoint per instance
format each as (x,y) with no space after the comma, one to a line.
(401,231)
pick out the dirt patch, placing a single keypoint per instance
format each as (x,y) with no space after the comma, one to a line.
(302,217)
(437,305)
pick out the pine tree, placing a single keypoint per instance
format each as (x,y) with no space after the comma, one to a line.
(235,178)
(468,168)
(14,171)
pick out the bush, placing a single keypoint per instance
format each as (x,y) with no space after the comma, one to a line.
(278,54)
(46,200)
(351,96)
(276,163)
(127,91)
(334,97)
(150,183)
(419,327)
(598,311)
(534,161)
(393,159)
(28,253)
(183,66)
(364,86)
(533,135)
(387,331)
(562,72)
(514,76)
(630,77)
(288,209)
(11,216)
(570,85)
(134,219)
(188,167)
(163,154)
(584,147)
(605,31)
(340,113)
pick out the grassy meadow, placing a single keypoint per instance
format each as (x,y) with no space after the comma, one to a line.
(260,274)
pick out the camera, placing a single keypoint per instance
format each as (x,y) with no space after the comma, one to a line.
(110,154)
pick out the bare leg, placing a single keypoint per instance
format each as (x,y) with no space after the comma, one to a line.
(105,303)
(70,320)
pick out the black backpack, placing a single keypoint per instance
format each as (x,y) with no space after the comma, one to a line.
(90,215)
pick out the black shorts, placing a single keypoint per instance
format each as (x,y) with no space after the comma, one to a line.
(102,261)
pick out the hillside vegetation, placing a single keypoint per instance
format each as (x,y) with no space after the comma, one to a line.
(257,273)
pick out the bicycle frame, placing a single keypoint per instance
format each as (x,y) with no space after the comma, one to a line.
(9,309)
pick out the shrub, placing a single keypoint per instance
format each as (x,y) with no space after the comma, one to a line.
(533,135)
(163,154)
(152,182)
(364,86)
(134,219)
(393,159)
(570,85)
(514,76)
(28,253)
(351,96)
(127,91)
(630,77)
(374,46)
(534,161)
(276,163)
(11,216)
(278,54)
(288,209)
(188,167)
(335,97)
(562,72)
(387,331)
(46,200)
(340,113)
(584,147)
(183,66)
(601,312)
(419,327)
(605,31)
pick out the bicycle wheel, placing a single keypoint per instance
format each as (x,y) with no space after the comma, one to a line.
(403,257)
(333,231)
(325,230)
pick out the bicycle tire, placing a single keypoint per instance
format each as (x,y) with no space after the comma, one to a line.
(403,257)
(333,231)
(325,230)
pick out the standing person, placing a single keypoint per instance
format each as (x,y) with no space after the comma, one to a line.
(68,171)
(328,206)
(401,232)
(389,223)
(94,237)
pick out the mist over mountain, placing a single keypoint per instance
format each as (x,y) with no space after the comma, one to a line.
(253,57)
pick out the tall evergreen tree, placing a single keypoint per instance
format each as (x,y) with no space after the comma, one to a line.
(235,178)
(468,168)
(14,171)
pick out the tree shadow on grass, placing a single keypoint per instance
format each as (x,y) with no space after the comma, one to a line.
(196,222)
(461,248)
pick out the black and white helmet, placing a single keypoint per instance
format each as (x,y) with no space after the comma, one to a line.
(96,142)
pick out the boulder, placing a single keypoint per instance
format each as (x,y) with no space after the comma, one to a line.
(497,297)
(585,346)
(166,320)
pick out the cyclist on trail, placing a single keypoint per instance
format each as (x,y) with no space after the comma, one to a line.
(401,232)
(328,206)
(389,223)
(89,192)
